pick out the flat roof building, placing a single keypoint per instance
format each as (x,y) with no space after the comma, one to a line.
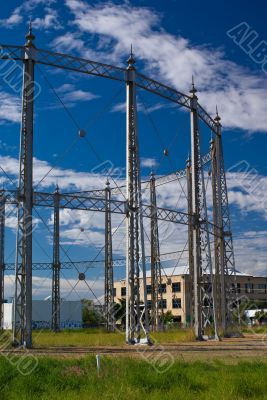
(70,314)
(176,294)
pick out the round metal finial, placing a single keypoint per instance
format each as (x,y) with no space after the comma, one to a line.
(193,88)
(217,118)
(131,60)
(30,36)
(107,182)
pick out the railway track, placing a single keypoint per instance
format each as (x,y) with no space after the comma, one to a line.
(232,347)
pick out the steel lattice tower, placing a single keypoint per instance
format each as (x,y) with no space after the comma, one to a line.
(109,281)
(22,329)
(56,267)
(204,307)
(2,256)
(212,294)
(225,273)
(156,291)
(136,318)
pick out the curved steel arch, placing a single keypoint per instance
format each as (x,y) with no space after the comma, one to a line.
(159,181)
(77,64)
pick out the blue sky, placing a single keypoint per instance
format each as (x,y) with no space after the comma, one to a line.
(172,41)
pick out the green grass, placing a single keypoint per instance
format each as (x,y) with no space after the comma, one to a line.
(98,337)
(78,338)
(132,379)
(255,329)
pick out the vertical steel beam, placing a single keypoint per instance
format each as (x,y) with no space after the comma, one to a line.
(2,257)
(190,242)
(204,306)
(136,318)
(224,251)
(109,279)
(22,323)
(196,240)
(56,266)
(156,292)
(219,292)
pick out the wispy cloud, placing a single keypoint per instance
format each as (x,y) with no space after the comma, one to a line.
(42,287)
(49,19)
(149,163)
(70,94)
(10,108)
(14,19)
(173,59)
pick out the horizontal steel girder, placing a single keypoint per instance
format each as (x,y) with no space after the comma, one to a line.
(89,67)
(160,180)
(78,265)
(86,203)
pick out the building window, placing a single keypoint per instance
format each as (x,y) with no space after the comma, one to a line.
(162,288)
(163,303)
(176,303)
(249,288)
(261,287)
(149,304)
(176,287)
(123,291)
(148,289)
(236,288)
(114,292)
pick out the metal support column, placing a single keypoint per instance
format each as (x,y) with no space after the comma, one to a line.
(109,281)
(156,292)
(219,281)
(196,242)
(136,315)
(56,267)
(224,252)
(204,306)
(190,292)
(2,257)
(22,325)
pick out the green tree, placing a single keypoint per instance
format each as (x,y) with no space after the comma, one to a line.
(261,316)
(91,315)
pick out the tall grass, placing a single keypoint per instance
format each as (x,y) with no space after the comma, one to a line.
(132,379)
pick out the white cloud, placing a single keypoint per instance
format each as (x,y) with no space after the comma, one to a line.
(251,252)
(68,179)
(69,288)
(21,13)
(69,94)
(50,20)
(69,41)
(14,19)
(149,163)
(10,108)
(173,59)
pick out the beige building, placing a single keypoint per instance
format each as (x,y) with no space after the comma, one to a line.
(175,290)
